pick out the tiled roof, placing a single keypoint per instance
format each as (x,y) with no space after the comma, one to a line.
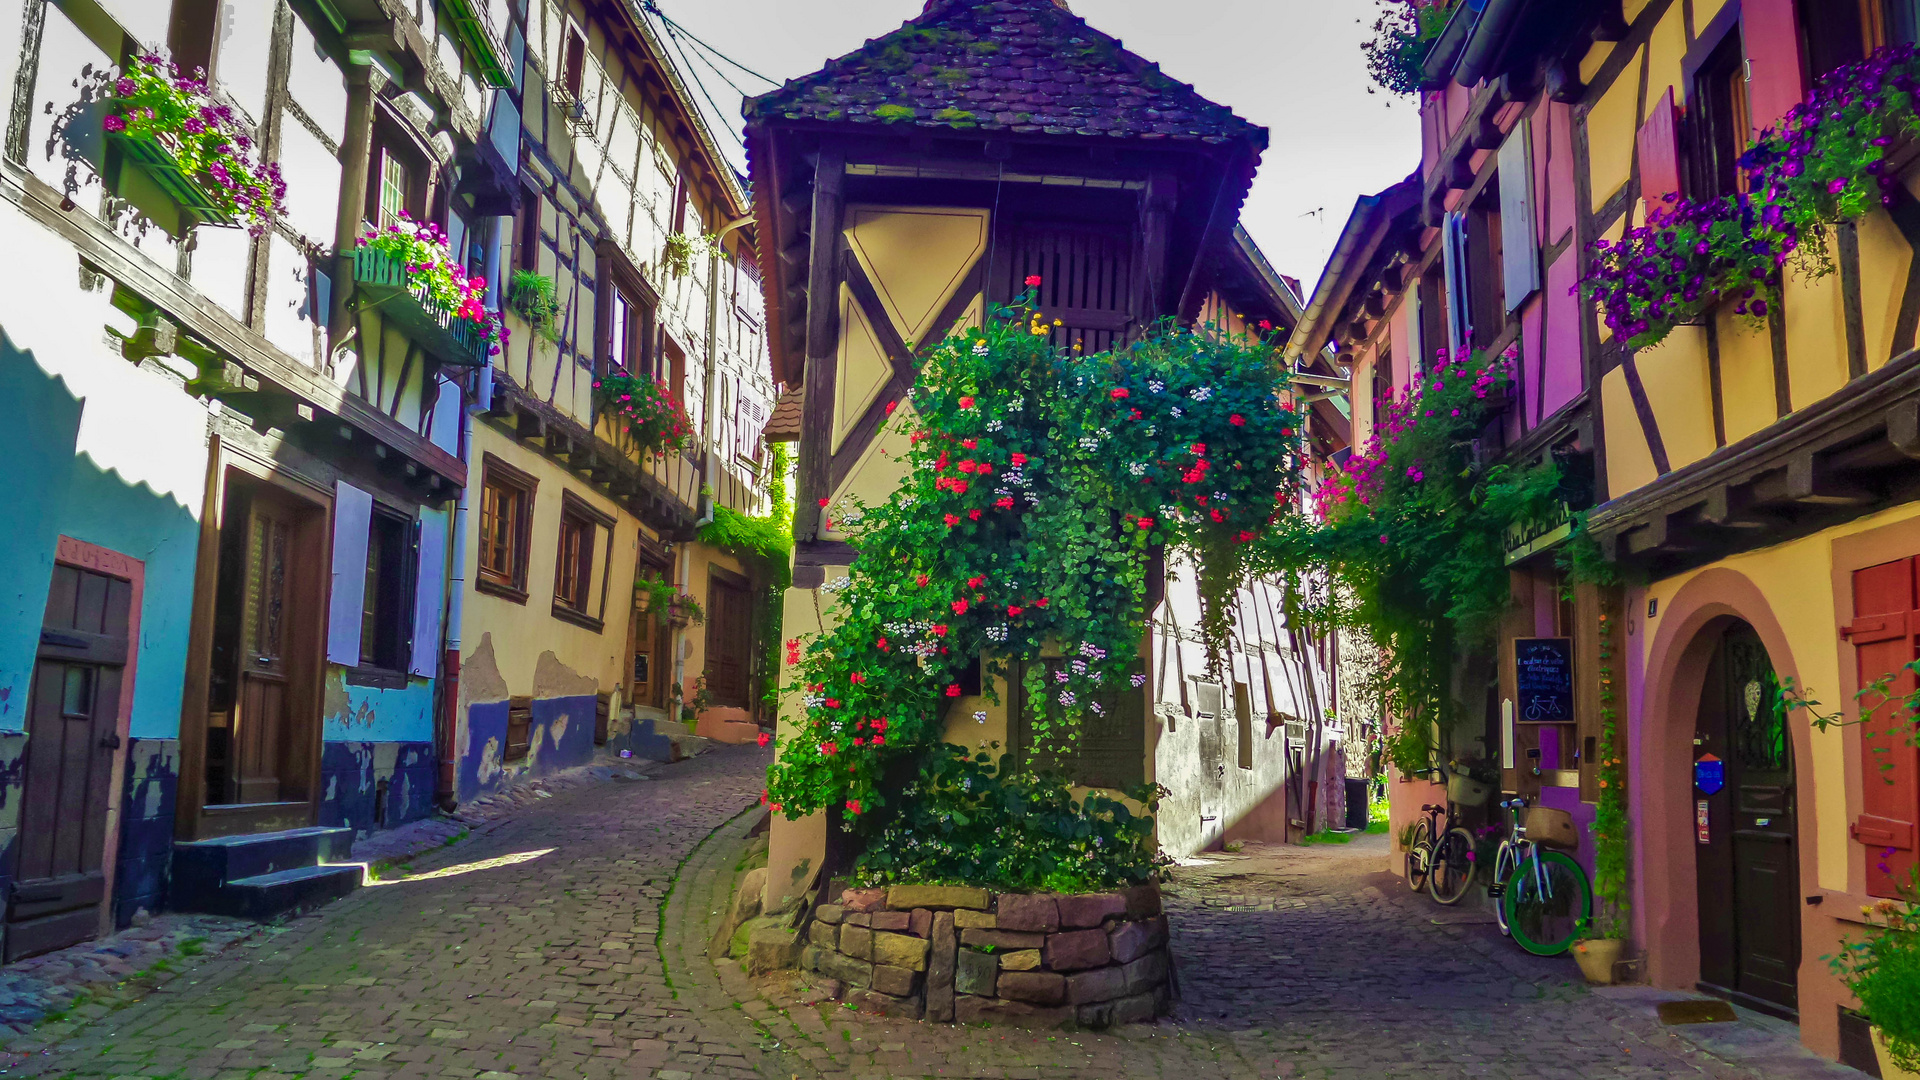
(784,424)
(1023,66)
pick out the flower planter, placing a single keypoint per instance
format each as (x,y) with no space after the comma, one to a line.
(956,954)
(152,157)
(383,283)
(1596,957)
(1889,1070)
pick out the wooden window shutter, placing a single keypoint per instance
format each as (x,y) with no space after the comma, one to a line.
(352,524)
(429,582)
(1660,152)
(1416,344)
(1520,252)
(1886,625)
(1776,74)
(1453,239)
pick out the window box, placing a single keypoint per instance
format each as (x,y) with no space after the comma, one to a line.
(384,282)
(151,156)
(478,41)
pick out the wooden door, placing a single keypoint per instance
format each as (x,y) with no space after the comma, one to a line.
(729,640)
(260,740)
(73,717)
(1885,636)
(1748,866)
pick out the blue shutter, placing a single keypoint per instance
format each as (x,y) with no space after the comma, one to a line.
(1520,251)
(347,602)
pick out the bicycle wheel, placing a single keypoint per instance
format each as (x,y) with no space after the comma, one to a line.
(1505,861)
(1419,856)
(1547,903)
(1453,864)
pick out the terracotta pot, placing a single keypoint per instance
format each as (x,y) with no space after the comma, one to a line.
(1888,1070)
(1596,957)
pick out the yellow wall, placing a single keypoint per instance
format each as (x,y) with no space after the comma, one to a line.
(1794,579)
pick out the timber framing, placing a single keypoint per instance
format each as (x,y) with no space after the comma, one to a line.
(1852,453)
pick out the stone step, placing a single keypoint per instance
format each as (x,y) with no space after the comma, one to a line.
(686,746)
(286,891)
(671,727)
(213,863)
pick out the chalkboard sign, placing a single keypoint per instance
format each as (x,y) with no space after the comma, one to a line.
(1544,679)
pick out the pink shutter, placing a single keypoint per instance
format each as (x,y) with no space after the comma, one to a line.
(1886,627)
(1660,152)
(1770,29)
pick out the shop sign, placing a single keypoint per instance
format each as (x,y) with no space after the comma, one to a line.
(1709,775)
(1543,672)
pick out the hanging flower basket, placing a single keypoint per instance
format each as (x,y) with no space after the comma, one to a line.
(194,148)
(646,411)
(407,272)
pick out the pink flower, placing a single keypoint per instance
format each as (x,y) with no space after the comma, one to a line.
(1032,280)
(114,123)
(765,738)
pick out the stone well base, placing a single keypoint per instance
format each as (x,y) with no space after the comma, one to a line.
(961,955)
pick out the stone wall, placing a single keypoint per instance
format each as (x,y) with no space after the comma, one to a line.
(963,955)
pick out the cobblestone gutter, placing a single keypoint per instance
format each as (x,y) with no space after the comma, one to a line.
(964,955)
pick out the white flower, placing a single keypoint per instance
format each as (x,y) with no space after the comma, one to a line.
(980,717)
(1150,427)
(993,425)
(1097,708)
(1201,393)
(1089,443)
(980,349)
(996,633)
(1137,469)
(1016,405)
(1155,385)
(1060,676)
(1138,681)
(1067,698)
(1177,414)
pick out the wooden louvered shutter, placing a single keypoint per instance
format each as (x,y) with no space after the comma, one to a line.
(1776,76)
(1659,145)
(1085,282)
(1884,633)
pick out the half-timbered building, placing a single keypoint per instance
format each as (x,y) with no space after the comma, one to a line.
(904,189)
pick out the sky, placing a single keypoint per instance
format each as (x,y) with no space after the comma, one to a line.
(1293,66)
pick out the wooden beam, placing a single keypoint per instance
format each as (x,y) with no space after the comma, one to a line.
(816,440)
(1903,428)
(1219,225)
(1808,483)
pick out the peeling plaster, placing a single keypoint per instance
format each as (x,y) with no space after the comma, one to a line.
(553,679)
(480,678)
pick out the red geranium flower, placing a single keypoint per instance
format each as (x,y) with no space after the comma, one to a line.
(853,805)
(1019,458)
(974,514)
(951,520)
(1004,502)
(959,607)
(892,405)
(1119,393)
(966,401)
(974,581)
(920,580)
(970,443)
(765,738)
(823,502)
(857,677)
(1032,280)
(953,690)
(1042,602)
(1237,420)
(833,703)
(1135,414)
(1014,610)
(939,629)
(1146,523)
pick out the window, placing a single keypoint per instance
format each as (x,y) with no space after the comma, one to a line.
(671,368)
(396,175)
(575,598)
(1842,32)
(1382,388)
(631,333)
(526,241)
(1243,721)
(573,578)
(506,520)
(573,61)
(386,618)
(1722,120)
(519,737)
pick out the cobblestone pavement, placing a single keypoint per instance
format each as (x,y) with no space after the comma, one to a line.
(542,947)
(530,950)
(1293,962)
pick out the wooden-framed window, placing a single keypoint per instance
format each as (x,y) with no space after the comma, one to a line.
(573,61)
(519,737)
(526,239)
(506,529)
(396,175)
(1722,119)
(671,367)
(387,609)
(1112,746)
(575,598)
(1842,32)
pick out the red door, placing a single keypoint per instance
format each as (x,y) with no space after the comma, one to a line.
(73,720)
(1886,627)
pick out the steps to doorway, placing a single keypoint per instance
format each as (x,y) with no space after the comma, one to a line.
(262,875)
(665,740)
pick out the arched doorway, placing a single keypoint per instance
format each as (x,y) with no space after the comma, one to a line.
(1746,850)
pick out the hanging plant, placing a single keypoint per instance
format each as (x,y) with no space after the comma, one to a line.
(654,595)
(646,410)
(152,101)
(1403,34)
(531,296)
(1414,530)
(1826,163)
(1038,483)
(435,277)
(682,250)
(1611,855)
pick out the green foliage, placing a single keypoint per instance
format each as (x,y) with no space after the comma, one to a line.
(1327,836)
(1414,531)
(1882,968)
(766,538)
(1612,857)
(154,100)
(1402,36)
(657,592)
(1038,486)
(531,295)
(681,250)
(965,822)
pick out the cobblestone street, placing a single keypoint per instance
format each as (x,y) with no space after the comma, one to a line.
(537,950)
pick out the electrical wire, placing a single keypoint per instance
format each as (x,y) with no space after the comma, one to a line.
(701,85)
(652,7)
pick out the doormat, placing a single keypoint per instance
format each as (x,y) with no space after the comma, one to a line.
(1706,1011)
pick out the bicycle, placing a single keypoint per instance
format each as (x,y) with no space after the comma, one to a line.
(1545,901)
(1444,867)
